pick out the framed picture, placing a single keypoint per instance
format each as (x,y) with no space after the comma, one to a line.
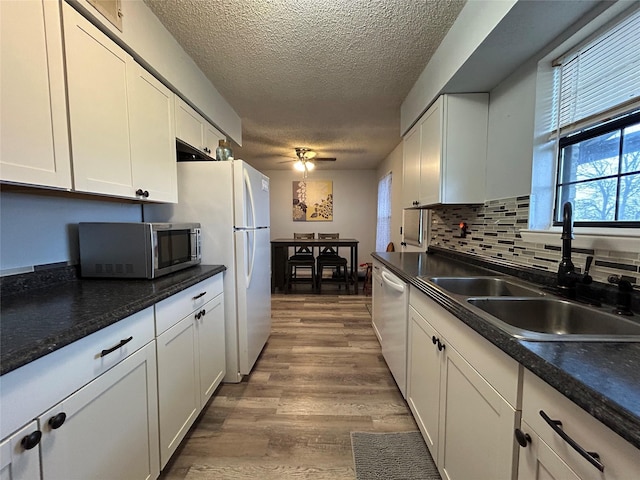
(313,201)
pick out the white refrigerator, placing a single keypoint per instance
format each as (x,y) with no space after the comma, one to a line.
(231,202)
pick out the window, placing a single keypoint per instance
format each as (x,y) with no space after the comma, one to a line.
(599,173)
(597,127)
(383,228)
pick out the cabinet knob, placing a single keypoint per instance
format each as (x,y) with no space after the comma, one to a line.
(31,440)
(56,421)
(522,438)
(201,314)
(441,346)
(434,339)
(142,193)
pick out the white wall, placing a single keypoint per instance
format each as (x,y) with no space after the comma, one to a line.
(41,229)
(354,206)
(471,28)
(393,164)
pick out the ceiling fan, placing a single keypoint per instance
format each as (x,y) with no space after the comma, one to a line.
(306,159)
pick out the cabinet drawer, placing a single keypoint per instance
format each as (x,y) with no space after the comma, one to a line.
(173,309)
(620,459)
(500,370)
(26,392)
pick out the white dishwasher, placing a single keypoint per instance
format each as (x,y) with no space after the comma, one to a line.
(394,306)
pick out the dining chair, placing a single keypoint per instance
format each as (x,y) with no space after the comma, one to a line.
(328,257)
(303,259)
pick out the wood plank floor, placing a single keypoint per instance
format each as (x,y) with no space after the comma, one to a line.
(320,377)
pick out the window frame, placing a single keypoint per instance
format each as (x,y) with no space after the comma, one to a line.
(617,124)
(387,181)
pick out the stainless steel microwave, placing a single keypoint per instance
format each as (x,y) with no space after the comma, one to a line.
(137,249)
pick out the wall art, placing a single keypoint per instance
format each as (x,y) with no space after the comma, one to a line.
(313,201)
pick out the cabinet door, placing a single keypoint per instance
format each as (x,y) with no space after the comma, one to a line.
(178,385)
(211,138)
(16,462)
(153,145)
(539,462)
(110,429)
(211,347)
(189,125)
(98,76)
(411,168)
(464,148)
(431,154)
(34,145)
(476,424)
(423,379)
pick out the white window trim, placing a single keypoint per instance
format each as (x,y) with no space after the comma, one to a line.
(541,229)
(595,239)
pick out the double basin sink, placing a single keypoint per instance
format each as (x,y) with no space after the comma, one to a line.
(528,314)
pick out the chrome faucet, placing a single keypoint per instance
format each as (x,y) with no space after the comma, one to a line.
(567,275)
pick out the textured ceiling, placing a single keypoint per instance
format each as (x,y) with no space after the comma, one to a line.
(326,74)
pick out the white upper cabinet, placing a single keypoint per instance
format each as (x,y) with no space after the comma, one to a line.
(449,158)
(34,146)
(122,119)
(194,130)
(99,75)
(153,144)
(411,168)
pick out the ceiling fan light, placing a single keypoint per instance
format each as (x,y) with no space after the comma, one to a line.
(299,166)
(310,165)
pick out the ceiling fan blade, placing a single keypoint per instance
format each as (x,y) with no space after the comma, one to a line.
(324,159)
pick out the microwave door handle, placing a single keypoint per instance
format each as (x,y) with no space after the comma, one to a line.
(195,245)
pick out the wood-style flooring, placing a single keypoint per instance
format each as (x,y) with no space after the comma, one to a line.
(320,377)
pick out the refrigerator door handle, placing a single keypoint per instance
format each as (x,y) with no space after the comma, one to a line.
(250,255)
(249,190)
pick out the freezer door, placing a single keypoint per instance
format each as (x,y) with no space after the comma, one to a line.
(253,292)
(251,191)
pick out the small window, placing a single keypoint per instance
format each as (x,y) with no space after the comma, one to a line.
(383,227)
(597,127)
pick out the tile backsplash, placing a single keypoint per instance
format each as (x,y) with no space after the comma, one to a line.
(494,231)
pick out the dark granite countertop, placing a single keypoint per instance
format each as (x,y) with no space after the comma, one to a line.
(601,378)
(37,321)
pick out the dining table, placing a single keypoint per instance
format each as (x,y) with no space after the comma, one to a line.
(280,254)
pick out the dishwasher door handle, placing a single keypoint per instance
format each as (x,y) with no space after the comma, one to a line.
(398,287)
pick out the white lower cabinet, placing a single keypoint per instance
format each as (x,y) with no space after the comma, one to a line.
(108,428)
(191,360)
(19,454)
(423,389)
(539,462)
(476,424)
(458,386)
(178,390)
(547,455)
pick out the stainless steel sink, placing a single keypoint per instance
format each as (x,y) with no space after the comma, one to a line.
(551,319)
(483,287)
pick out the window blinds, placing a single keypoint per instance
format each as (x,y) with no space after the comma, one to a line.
(383,227)
(601,79)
